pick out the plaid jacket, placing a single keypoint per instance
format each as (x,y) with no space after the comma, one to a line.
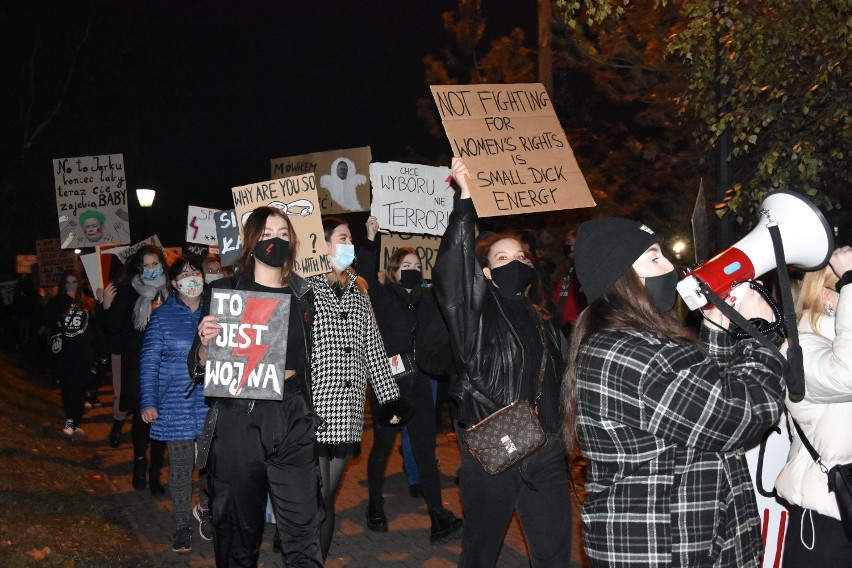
(662,425)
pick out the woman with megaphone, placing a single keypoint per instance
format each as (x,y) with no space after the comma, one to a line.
(661,415)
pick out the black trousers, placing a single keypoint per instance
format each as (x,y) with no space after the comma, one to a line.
(271,450)
(537,488)
(815,540)
(73,373)
(421,430)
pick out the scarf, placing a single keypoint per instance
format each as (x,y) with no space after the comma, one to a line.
(147,290)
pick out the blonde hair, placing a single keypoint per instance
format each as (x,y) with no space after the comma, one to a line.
(810,295)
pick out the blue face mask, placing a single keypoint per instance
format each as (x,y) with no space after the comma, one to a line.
(343,256)
(152,273)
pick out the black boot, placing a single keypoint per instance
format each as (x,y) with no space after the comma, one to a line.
(139,466)
(158,447)
(376,519)
(445,525)
(115,433)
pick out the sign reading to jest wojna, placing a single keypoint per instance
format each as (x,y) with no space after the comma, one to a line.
(411,198)
(510,138)
(247,358)
(297,197)
(91,201)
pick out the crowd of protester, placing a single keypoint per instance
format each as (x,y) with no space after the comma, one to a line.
(659,411)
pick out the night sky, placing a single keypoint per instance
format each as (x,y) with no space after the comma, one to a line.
(199,96)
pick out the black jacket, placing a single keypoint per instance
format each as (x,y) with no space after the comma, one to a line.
(304,300)
(489,354)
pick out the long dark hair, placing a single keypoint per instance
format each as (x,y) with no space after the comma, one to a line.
(80,296)
(625,305)
(329,224)
(253,233)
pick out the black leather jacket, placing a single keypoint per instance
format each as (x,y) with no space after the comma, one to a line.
(488,352)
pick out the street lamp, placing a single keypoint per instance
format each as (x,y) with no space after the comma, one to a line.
(145,197)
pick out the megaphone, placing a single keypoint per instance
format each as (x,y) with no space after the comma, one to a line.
(807,239)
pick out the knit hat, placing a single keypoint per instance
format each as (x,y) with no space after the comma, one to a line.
(606,248)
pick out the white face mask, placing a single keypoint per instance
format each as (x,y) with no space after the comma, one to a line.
(212,277)
(343,256)
(191,286)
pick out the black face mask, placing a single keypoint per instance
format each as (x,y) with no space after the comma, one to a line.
(512,278)
(410,279)
(272,252)
(662,290)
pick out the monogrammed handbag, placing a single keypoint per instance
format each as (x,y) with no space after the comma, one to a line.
(503,438)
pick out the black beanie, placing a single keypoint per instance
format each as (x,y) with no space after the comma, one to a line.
(606,248)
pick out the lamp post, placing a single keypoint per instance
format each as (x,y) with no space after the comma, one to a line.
(145,197)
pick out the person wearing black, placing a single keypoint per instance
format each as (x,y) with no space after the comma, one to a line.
(397,300)
(124,308)
(264,447)
(68,314)
(496,333)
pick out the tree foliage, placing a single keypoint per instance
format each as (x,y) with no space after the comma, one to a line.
(773,75)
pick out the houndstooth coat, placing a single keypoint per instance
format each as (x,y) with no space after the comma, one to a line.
(347,350)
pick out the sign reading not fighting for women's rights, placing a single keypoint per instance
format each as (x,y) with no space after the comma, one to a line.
(411,198)
(297,197)
(247,358)
(91,201)
(510,139)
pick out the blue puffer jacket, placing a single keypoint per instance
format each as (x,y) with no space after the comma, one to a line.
(163,375)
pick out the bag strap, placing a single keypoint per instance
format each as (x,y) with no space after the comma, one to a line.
(805,442)
(543,365)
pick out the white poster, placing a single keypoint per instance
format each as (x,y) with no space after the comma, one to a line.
(411,198)
(201,225)
(91,201)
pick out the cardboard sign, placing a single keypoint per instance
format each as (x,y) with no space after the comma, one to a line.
(7,289)
(52,261)
(91,201)
(228,236)
(411,198)
(200,225)
(246,359)
(297,197)
(342,183)
(128,252)
(24,263)
(426,246)
(511,140)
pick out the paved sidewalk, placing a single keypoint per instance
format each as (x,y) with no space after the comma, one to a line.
(406,544)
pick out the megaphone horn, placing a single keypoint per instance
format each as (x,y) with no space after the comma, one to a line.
(805,233)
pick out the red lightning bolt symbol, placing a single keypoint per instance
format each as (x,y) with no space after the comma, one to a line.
(258,311)
(194,226)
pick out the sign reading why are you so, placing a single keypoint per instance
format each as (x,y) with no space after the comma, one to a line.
(510,138)
(246,359)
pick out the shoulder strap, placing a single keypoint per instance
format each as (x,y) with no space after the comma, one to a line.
(805,442)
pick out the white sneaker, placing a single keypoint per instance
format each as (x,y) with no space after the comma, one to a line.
(69,427)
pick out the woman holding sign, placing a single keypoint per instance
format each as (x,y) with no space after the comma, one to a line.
(347,351)
(397,300)
(260,447)
(505,351)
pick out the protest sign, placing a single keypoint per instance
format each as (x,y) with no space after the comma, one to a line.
(200,225)
(342,186)
(297,197)
(411,198)
(426,246)
(24,263)
(52,261)
(7,289)
(228,237)
(246,359)
(125,254)
(91,201)
(511,140)
(101,265)
(198,251)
